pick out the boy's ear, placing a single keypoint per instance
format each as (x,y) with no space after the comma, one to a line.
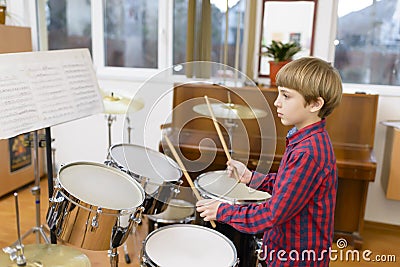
(315,106)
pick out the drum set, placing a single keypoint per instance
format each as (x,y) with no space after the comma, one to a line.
(96,206)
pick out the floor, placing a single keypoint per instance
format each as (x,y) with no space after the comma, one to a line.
(382,242)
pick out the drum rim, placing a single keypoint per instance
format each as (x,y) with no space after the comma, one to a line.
(170,221)
(146,256)
(150,150)
(211,195)
(59,187)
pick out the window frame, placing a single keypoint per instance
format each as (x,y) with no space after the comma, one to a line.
(127,73)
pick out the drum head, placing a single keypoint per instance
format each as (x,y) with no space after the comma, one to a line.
(101,186)
(189,245)
(145,162)
(219,185)
(177,210)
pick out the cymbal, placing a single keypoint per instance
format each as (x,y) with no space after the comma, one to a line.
(48,255)
(114,104)
(230,111)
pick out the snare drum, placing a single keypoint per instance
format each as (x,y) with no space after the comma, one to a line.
(94,206)
(183,245)
(158,174)
(178,211)
(218,185)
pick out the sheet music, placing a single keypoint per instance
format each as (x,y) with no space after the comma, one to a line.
(42,89)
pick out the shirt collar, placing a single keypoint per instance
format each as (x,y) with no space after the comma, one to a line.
(294,135)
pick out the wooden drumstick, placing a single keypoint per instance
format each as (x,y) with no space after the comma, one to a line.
(221,138)
(178,160)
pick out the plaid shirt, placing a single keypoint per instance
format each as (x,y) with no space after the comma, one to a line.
(298,219)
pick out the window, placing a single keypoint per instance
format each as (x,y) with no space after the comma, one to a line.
(69,24)
(126,35)
(367,47)
(211,39)
(131,33)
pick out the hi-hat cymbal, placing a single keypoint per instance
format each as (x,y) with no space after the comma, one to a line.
(230,111)
(48,255)
(114,104)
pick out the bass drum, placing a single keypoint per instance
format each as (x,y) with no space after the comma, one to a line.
(94,206)
(218,185)
(157,173)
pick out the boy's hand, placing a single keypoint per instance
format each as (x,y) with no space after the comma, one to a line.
(244,173)
(208,209)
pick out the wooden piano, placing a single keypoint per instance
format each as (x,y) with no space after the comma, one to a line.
(351,127)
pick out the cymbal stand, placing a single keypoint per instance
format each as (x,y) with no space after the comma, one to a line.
(110,119)
(17,253)
(38,229)
(113,254)
(129,128)
(230,125)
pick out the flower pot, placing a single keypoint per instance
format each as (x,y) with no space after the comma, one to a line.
(3,15)
(274,67)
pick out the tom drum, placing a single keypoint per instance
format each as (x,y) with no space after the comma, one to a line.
(94,206)
(158,174)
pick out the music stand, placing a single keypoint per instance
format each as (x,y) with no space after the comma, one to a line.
(35,190)
(67,74)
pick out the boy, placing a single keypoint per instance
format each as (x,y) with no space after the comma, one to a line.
(297,220)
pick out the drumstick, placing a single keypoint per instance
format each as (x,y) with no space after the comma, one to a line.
(221,138)
(176,156)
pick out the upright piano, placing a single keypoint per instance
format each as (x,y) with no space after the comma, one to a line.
(260,142)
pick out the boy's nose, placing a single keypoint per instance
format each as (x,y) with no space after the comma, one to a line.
(276,103)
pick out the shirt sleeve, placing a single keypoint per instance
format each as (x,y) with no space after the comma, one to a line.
(295,185)
(263,182)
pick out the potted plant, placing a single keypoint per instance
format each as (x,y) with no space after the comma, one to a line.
(281,53)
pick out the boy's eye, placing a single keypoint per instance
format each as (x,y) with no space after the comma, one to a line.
(285,96)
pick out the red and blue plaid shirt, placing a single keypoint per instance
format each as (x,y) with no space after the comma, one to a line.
(298,219)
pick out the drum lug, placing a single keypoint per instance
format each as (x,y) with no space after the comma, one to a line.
(176,190)
(137,217)
(56,199)
(111,163)
(95,224)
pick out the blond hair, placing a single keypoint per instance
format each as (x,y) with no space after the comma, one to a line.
(312,78)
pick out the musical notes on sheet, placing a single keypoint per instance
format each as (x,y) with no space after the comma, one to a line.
(42,89)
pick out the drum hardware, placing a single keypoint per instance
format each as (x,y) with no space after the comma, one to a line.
(95,224)
(113,105)
(218,185)
(94,220)
(179,211)
(40,255)
(35,190)
(137,219)
(157,174)
(17,253)
(129,128)
(189,180)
